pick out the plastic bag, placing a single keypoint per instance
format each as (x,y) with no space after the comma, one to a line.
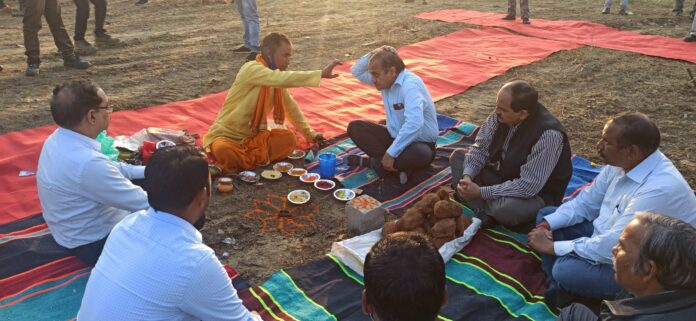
(107,146)
(352,252)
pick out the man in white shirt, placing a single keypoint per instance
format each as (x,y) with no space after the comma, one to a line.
(82,192)
(154,265)
(576,239)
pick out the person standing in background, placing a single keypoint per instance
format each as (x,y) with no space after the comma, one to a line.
(250,22)
(524,10)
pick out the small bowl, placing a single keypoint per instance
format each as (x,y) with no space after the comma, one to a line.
(299,196)
(282,166)
(297,154)
(215,171)
(310,178)
(297,172)
(324,184)
(344,194)
(249,177)
(271,174)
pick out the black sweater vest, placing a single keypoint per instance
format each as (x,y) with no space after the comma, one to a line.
(520,147)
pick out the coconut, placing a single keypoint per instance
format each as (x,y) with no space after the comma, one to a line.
(389,228)
(412,219)
(444,228)
(443,194)
(446,209)
(463,223)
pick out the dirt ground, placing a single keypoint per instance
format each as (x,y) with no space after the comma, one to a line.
(181,49)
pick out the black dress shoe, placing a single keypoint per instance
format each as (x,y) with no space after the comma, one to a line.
(357,160)
(32,70)
(252,56)
(509,17)
(558,298)
(75,62)
(241,49)
(487,221)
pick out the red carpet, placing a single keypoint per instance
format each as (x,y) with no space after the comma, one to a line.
(580,32)
(449,65)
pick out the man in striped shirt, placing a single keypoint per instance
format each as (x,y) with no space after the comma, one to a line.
(519,163)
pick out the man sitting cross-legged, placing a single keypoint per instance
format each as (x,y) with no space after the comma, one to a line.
(155,265)
(519,163)
(239,139)
(83,193)
(407,141)
(404,279)
(654,261)
(575,239)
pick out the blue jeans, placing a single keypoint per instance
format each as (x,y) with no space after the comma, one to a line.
(623,5)
(250,21)
(573,273)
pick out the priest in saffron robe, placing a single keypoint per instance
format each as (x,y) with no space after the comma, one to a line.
(240,138)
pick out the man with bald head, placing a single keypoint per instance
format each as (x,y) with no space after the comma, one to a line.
(83,193)
(407,141)
(576,239)
(519,163)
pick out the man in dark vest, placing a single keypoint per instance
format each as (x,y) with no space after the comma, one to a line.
(519,163)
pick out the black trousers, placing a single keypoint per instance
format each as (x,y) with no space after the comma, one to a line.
(82,15)
(374,140)
(89,253)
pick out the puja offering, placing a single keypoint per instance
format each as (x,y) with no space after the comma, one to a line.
(363,213)
(309,178)
(299,196)
(224,185)
(365,203)
(435,215)
(283,166)
(249,177)
(297,172)
(324,184)
(344,194)
(271,174)
(297,154)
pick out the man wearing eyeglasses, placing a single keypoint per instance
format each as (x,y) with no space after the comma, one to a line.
(83,193)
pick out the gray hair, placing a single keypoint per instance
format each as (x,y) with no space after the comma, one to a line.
(671,244)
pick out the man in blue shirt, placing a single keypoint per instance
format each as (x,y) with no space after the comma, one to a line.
(576,239)
(407,141)
(154,265)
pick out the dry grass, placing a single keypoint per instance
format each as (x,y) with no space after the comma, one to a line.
(179,49)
